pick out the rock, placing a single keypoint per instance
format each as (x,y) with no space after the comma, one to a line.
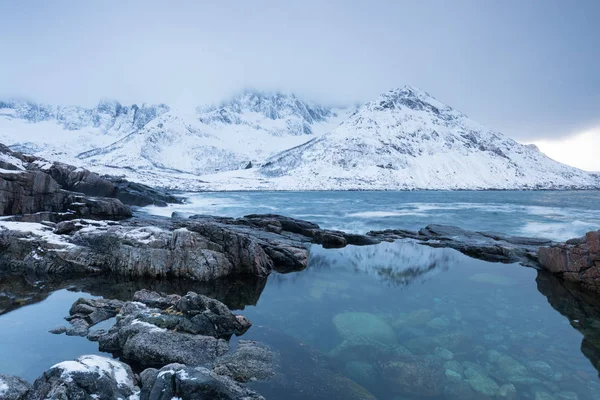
(564,395)
(87,377)
(543,396)
(156,300)
(14,388)
(95,335)
(415,318)
(176,381)
(576,261)
(508,366)
(58,330)
(363,349)
(493,356)
(361,372)
(541,368)
(443,353)
(458,390)
(251,361)
(507,392)
(439,323)
(454,366)
(488,246)
(364,327)
(453,340)
(190,331)
(479,381)
(85,313)
(79,327)
(304,373)
(66,228)
(415,375)
(453,376)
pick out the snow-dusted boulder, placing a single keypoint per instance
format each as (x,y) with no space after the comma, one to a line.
(87,377)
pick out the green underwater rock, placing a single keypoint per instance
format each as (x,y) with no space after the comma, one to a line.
(364,327)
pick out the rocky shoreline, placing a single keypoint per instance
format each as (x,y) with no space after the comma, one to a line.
(62,224)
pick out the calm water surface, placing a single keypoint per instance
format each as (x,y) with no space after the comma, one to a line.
(391,321)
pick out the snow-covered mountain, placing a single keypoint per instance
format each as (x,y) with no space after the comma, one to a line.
(405,139)
(149,142)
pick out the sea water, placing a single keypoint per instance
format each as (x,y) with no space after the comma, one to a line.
(391,321)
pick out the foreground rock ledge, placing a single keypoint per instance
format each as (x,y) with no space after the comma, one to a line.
(200,248)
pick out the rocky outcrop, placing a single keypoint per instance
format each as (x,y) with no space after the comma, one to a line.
(488,246)
(154,330)
(577,260)
(200,248)
(41,190)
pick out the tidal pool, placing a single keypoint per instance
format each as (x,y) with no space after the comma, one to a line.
(391,321)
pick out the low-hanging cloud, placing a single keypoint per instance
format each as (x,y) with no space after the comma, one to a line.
(528,69)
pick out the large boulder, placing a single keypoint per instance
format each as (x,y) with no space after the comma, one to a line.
(88,377)
(177,381)
(577,260)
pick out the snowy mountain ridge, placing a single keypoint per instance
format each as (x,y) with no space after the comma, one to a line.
(403,140)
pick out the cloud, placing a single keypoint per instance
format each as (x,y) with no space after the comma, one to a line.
(508,65)
(579,150)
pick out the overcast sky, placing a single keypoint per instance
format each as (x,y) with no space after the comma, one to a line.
(527,68)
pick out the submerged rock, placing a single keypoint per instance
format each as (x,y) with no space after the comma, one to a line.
(480,381)
(361,372)
(304,373)
(364,327)
(415,375)
(251,361)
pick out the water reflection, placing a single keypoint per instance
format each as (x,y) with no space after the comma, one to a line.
(16,292)
(398,263)
(581,307)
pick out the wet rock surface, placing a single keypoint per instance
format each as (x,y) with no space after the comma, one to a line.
(488,246)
